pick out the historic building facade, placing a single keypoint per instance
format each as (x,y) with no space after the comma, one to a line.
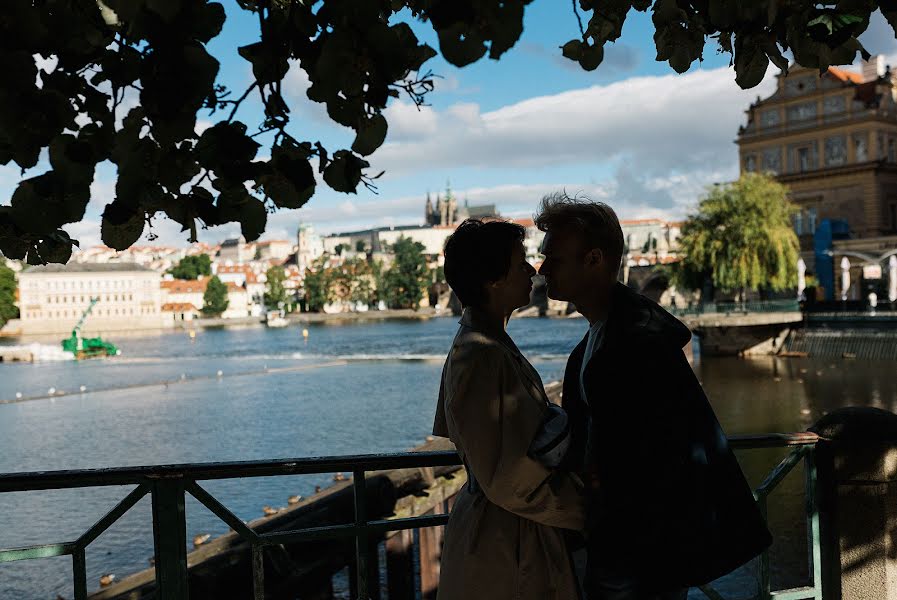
(831,138)
(53,297)
(445,212)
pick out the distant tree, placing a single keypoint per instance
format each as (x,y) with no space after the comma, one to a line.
(215,298)
(338,249)
(275,292)
(8,308)
(360,246)
(317,286)
(192,267)
(741,238)
(408,277)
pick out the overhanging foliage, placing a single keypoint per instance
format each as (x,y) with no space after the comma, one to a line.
(151,56)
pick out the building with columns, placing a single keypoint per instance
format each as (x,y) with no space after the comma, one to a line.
(831,138)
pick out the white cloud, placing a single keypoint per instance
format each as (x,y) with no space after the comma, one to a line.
(660,124)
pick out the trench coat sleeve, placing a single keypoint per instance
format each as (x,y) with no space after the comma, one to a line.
(495,419)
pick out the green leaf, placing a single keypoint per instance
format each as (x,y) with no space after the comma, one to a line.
(572,50)
(253,218)
(370,136)
(226,150)
(167,9)
(291,180)
(209,22)
(591,57)
(56,248)
(343,174)
(268,64)
(122,225)
(461,45)
(751,62)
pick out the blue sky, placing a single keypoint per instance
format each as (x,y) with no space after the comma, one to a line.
(633,133)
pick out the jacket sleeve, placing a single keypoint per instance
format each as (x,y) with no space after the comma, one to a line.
(495,420)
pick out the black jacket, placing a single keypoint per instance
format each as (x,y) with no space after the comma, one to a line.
(672,504)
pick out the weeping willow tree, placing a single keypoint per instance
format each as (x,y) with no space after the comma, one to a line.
(741,238)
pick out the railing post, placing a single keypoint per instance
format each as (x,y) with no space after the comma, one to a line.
(79,572)
(170,539)
(856,490)
(362,548)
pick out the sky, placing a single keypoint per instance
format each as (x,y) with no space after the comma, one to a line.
(632,133)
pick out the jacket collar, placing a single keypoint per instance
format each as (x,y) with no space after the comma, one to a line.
(474,319)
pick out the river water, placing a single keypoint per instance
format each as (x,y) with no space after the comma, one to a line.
(348,388)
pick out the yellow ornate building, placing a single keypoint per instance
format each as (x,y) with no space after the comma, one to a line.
(831,138)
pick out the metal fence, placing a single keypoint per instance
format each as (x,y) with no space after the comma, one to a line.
(168,484)
(763,306)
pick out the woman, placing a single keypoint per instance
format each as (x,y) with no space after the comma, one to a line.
(505,537)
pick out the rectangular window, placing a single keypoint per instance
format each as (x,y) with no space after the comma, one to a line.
(892,150)
(770,117)
(834,105)
(835,151)
(803,159)
(893,210)
(860,147)
(772,160)
(811,220)
(798,223)
(801,112)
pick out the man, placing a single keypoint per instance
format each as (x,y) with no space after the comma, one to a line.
(668,505)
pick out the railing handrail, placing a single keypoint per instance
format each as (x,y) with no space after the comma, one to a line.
(75,478)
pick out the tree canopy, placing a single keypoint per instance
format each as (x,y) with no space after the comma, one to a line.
(404,283)
(8,308)
(740,238)
(275,292)
(215,299)
(90,81)
(192,267)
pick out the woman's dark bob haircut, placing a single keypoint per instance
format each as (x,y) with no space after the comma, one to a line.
(479,253)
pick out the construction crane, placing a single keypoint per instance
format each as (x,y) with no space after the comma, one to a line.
(88,347)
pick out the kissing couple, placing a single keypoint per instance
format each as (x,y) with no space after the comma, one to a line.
(626,491)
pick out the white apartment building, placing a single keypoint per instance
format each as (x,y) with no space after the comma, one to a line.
(184,293)
(432,238)
(52,298)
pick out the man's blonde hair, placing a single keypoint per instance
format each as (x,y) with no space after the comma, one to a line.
(596,221)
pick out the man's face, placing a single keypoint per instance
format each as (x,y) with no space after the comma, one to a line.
(564,267)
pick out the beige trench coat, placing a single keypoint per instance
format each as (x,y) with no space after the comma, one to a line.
(504,541)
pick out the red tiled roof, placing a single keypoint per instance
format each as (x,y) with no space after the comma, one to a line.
(639,221)
(844,75)
(181,286)
(178,307)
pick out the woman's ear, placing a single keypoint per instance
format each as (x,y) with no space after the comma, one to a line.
(595,257)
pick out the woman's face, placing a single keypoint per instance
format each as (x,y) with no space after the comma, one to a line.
(513,291)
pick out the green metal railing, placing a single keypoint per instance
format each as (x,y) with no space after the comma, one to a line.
(726,308)
(168,485)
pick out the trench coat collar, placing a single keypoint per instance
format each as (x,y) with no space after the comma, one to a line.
(473,319)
